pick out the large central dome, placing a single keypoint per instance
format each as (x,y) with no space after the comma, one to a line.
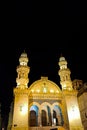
(44,86)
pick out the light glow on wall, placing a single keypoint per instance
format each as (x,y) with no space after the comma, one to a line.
(23,109)
(52,91)
(44,90)
(57,91)
(38,90)
(73,114)
(32,90)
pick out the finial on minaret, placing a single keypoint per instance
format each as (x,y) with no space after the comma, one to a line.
(62,62)
(23,59)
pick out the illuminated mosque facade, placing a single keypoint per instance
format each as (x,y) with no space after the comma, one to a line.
(44,105)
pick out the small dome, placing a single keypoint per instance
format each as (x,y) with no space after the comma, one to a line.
(62,58)
(24,55)
(23,59)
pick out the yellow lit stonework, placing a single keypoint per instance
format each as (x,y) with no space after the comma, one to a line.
(43,105)
(23,109)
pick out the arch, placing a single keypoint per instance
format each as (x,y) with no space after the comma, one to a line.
(32,119)
(34,103)
(33,115)
(47,107)
(59,116)
(47,104)
(44,118)
(57,103)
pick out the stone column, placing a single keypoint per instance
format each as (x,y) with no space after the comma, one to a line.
(52,117)
(39,118)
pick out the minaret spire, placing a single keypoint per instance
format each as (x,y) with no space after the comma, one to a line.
(23,70)
(64,73)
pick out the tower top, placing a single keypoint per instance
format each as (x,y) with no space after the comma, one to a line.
(62,62)
(23,59)
(62,58)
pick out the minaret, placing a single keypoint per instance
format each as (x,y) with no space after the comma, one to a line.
(70,95)
(20,112)
(23,70)
(64,73)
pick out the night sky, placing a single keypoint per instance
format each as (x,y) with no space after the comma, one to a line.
(68,8)
(44,40)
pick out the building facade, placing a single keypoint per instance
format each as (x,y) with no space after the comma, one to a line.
(43,105)
(82,100)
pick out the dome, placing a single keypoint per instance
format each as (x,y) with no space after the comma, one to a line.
(23,59)
(62,59)
(44,86)
(24,55)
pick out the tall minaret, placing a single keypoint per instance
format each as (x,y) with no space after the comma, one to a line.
(20,111)
(23,70)
(64,73)
(70,96)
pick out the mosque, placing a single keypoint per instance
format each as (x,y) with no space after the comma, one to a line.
(44,105)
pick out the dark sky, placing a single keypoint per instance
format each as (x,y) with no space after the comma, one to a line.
(43,41)
(75,8)
(67,8)
(23,8)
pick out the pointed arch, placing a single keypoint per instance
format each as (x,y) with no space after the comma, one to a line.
(58,118)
